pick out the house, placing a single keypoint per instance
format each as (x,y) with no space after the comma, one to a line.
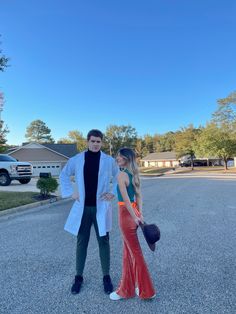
(44,157)
(169,159)
(163,159)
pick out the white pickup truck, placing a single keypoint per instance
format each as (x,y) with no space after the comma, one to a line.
(11,169)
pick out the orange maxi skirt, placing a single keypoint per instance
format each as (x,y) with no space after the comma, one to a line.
(134,269)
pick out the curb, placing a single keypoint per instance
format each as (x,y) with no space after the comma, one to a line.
(36,205)
(151,175)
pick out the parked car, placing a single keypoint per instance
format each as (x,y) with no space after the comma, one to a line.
(230,163)
(196,163)
(11,169)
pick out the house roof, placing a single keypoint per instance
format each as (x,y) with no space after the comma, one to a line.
(67,150)
(160,156)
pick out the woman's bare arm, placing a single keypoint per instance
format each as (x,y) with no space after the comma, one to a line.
(139,202)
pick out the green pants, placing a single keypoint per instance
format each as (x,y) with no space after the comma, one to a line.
(89,218)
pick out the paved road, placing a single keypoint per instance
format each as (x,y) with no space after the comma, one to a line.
(193,268)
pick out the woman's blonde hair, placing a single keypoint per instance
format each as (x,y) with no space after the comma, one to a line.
(132,167)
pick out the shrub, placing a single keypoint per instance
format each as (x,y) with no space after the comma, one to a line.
(47,185)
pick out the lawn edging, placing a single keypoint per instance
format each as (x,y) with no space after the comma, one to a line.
(37,205)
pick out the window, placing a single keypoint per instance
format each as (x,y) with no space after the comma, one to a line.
(7,158)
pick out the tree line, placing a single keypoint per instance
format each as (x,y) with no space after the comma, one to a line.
(216,139)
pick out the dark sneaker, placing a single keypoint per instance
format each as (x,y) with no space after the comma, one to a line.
(108,286)
(77,284)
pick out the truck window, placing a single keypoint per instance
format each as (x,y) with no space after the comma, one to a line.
(7,158)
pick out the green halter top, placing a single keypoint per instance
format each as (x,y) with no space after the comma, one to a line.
(130,189)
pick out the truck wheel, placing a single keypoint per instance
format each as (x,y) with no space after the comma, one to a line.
(4,179)
(24,181)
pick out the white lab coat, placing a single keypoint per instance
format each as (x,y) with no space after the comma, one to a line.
(107,174)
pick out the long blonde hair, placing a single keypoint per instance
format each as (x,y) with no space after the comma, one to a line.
(132,167)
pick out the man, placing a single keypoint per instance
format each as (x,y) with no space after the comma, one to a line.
(94,171)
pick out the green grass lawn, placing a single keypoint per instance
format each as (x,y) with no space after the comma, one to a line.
(159,171)
(153,170)
(15,199)
(216,169)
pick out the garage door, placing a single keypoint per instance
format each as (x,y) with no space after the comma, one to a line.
(53,167)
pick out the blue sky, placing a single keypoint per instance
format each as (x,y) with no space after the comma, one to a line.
(155,64)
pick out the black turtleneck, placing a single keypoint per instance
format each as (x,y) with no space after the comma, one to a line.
(91,168)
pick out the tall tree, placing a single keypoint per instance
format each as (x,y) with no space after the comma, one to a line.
(3,132)
(75,137)
(219,137)
(229,100)
(3,61)
(3,129)
(164,142)
(38,131)
(140,149)
(225,115)
(216,141)
(185,142)
(148,143)
(119,136)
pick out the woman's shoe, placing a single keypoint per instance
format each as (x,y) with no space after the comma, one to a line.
(137,293)
(115,297)
(152,297)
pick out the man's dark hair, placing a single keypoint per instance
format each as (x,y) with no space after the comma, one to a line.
(96,133)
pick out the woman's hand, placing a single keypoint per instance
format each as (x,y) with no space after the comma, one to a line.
(136,220)
(141,219)
(107,196)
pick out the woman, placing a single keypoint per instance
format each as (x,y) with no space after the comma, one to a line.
(135,275)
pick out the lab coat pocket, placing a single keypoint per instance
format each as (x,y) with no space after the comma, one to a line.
(74,219)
